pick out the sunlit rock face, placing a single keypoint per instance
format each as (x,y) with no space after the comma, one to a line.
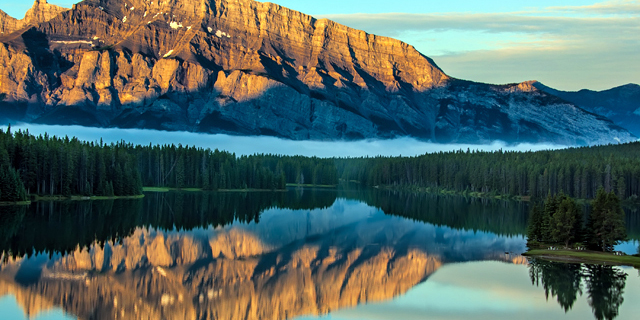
(292,263)
(246,67)
(40,12)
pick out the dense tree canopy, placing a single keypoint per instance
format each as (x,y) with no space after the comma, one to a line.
(50,165)
(46,165)
(578,172)
(606,224)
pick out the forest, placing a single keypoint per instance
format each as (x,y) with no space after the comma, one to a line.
(578,172)
(560,220)
(43,165)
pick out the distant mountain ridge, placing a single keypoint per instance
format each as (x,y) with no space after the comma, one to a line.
(252,68)
(620,104)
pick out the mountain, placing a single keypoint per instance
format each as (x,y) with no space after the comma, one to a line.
(40,12)
(620,104)
(252,68)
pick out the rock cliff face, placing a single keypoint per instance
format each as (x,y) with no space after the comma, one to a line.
(620,104)
(245,67)
(40,12)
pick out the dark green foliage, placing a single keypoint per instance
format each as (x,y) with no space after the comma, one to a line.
(61,166)
(567,222)
(11,188)
(579,172)
(560,220)
(606,224)
(536,222)
(46,165)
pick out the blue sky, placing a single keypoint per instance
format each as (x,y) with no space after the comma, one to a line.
(566,44)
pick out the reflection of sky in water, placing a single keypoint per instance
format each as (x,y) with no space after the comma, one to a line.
(629,247)
(11,311)
(484,290)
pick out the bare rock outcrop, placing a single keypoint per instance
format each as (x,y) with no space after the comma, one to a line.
(40,12)
(246,67)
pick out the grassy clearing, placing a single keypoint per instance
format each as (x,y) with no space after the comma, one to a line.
(311,185)
(160,189)
(19,203)
(163,189)
(82,198)
(592,257)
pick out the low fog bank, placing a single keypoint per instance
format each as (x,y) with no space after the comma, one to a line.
(242,145)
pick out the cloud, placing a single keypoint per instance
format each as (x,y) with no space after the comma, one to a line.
(569,48)
(393,24)
(616,7)
(242,145)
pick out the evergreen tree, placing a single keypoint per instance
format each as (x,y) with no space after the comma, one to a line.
(567,222)
(536,221)
(606,226)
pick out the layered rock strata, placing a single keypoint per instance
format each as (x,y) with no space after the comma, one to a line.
(245,67)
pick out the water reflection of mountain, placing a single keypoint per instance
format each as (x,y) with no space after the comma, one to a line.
(27,230)
(292,262)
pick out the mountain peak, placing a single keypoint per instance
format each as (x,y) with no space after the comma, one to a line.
(40,12)
(253,68)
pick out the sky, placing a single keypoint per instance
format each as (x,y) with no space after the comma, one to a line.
(565,44)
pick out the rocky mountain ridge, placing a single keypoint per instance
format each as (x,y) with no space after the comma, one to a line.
(252,68)
(40,12)
(620,104)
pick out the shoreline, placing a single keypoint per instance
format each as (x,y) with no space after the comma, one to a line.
(159,189)
(626,203)
(589,257)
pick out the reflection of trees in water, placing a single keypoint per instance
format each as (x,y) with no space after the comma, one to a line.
(61,227)
(605,289)
(604,285)
(563,281)
(28,230)
(490,215)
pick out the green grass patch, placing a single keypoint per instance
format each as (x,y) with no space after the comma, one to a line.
(155,189)
(306,185)
(19,203)
(162,189)
(167,189)
(592,257)
(82,198)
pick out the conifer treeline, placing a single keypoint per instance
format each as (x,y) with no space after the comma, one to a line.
(46,165)
(49,166)
(62,166)
(578,172)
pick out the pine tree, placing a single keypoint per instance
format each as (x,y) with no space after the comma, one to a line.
(567,222)
(606,226)
(536,220)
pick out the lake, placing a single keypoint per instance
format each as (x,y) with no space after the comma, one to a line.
(300,254)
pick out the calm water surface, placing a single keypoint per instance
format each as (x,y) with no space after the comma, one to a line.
(303,254)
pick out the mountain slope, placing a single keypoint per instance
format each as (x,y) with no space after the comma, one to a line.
(40,12)
(620,104)
(245,67)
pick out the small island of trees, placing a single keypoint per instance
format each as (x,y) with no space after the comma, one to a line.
(560,221)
